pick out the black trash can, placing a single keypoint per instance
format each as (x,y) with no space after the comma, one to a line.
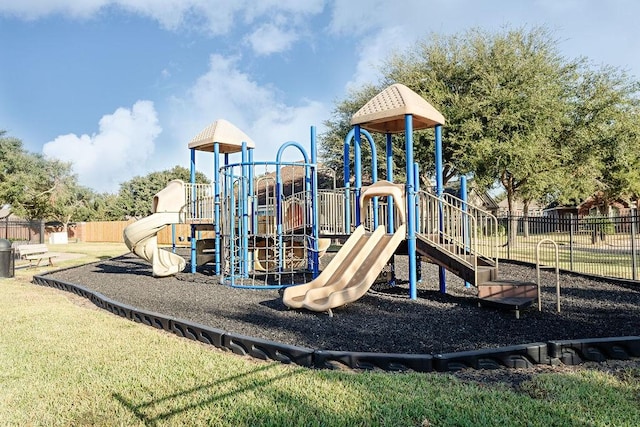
(7,263)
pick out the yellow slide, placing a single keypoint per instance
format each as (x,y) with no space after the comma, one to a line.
(351,272)
(356,266)
(141,237)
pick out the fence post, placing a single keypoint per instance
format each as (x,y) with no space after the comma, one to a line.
(509,242)
(634,260)
(571,238)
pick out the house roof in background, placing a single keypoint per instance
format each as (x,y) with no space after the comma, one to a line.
(518,205)
(453,187)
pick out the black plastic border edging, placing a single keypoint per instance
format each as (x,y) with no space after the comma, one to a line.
(570,352)
(516,356)
(573,352)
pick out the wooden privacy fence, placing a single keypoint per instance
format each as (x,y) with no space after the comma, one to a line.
(22,231)
(101,231)
(111,231)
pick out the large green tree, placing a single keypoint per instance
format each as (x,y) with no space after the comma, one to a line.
(337,128)
(504,96)
(136,195)
(517,112)
(41,188)
(71,202)
(600,142)
(29,182)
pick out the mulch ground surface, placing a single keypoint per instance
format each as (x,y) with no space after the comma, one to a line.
(384,320)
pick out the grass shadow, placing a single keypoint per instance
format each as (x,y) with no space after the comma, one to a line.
(155,410)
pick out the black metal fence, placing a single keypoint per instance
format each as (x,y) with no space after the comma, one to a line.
(597,245)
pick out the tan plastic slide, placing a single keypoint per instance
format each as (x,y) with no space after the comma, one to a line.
(141,237)
(351,272)
(356,266)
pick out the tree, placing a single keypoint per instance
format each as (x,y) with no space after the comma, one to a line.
(603,137)
(30,182)
(500,94)
(136,195)
(11,157)
(332,140)
(105,207)
(519,113)
(41,188)
(71,202)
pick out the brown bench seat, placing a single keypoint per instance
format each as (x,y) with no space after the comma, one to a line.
(35,252)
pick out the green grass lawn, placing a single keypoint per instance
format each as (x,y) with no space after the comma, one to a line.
(64,362)
(611,258)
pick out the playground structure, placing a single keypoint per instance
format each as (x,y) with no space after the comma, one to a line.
(360,260)
(272,223)
(141,237)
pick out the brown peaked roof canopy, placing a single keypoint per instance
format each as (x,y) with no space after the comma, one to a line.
(228,137)
(385,112)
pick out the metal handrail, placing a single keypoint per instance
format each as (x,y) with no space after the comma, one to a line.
(199,203)
(557,268)
(449,227)
(450,221)
(484,218)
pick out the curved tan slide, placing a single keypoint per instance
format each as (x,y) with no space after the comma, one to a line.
(141,237)
(351,272)
(356,266)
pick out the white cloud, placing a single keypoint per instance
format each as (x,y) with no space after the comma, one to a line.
(361,17)
(124,143)
(380,28)
(34,9)
(214,17)
(269,38)
(254,9)
(226,92)
(377,49)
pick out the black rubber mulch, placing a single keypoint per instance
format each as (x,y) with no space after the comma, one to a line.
(382,321)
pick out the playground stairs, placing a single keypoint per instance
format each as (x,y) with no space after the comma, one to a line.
(509,294)
(506,294)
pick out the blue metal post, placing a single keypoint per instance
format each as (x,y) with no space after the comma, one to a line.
(416,207)
(347,184)
(357,170)
(465,218)
(389,152)
(254,204)
(390,207)
(439,190)
(374,173)
(411,213)
(279,214)
(192,180)
(314,203)
(244,213)
(229,182)
(253,208)
(216,204)
(280,194)
(416,186)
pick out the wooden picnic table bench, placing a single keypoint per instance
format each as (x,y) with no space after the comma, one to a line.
(33,252)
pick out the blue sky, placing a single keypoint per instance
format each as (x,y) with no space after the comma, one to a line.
(119,87)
